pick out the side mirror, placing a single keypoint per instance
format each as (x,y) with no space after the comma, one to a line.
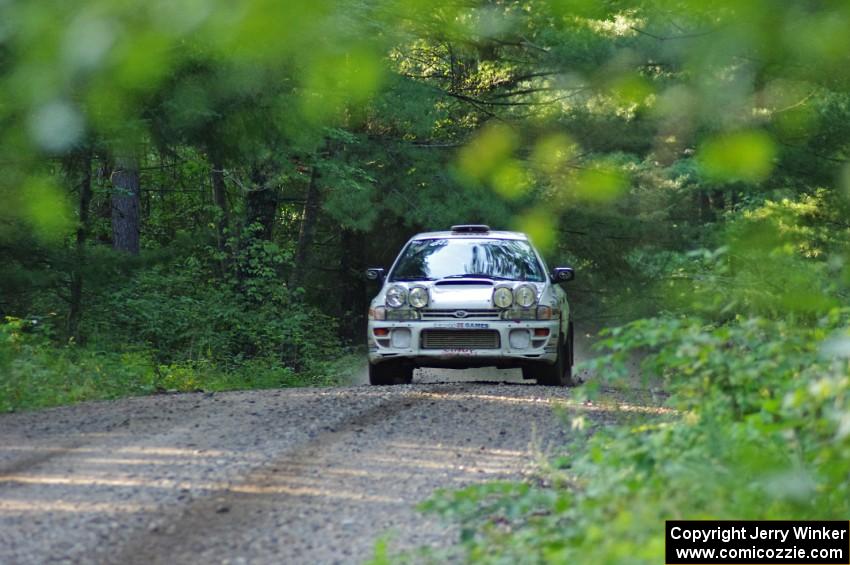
(563,274)
(375,274)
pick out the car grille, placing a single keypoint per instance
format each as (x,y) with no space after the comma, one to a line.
(460,339)
(449,314)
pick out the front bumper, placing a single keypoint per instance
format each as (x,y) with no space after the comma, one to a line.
(410,348)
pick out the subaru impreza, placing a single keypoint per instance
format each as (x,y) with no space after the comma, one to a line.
(470,297)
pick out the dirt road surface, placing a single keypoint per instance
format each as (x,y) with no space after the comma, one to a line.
(283,476)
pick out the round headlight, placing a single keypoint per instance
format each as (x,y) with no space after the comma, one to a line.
(502,297)
(418,297)
(525,295)
(396,296)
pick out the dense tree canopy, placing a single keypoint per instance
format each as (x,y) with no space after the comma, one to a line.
(266,147)
(194,187)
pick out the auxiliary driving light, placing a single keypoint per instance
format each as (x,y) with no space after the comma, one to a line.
(400,338)
(502,297)
(525,295)
(519,339)
(396,296)
(418,297)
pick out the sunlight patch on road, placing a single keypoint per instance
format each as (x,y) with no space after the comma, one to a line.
(447,465)
(554,402)
(32,506)
(290,490)
(487,451)
(89,480)
(134,450)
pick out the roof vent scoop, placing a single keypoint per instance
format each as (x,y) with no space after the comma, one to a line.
(470,228)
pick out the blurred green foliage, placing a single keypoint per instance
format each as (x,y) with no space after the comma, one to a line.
(38,374)
(689,159)
(761,432)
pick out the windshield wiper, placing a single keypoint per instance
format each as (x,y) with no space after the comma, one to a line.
(411,279)
(479,276)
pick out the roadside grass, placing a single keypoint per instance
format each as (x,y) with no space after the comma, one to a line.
(35,373)
(757,429)
(570,493)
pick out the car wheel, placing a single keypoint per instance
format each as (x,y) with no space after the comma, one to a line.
(561,372)
(388,373)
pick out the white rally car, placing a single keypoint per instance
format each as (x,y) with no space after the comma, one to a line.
(470,297)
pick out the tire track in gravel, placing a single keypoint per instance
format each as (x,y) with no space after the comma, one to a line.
(45,425)
(288,476)
(28,462)
(82,480)
(186,534)
(327,501)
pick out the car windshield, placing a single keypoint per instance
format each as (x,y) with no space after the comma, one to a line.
(498,259)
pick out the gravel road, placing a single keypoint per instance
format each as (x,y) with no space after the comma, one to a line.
(282,476)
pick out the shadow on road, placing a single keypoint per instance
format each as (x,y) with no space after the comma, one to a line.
(296,476)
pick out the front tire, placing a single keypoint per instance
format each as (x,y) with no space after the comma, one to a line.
(389,373)
(559,373)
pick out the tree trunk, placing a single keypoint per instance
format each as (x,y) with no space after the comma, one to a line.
(125,206)
(261,204)
(75,312)
(308,229)
(222,219)
(718,200)
(219,194)
(704,202)
(353,303)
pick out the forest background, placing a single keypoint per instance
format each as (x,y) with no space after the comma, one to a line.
(192,190)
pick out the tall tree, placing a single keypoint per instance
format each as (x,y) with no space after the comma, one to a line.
(79,167)
(306,234)
(219,194)
(125,205)
(261,202)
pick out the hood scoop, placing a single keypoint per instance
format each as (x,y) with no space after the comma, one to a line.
(464,282)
